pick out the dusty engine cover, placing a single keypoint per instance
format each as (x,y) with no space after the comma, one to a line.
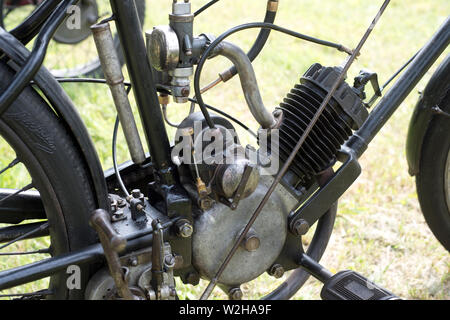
(217,229)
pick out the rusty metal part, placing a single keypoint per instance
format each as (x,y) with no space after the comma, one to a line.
(164,99)
(211,85)
(276,271)
(114,77)
(112,244)
(272,5)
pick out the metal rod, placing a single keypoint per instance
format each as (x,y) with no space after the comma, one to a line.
(33,23)
(22,78)
(400,90)
(42,227)
(130,34)
(314,268)
(94,253)
(114,77)
(286,165)
(246,26)
(25,231)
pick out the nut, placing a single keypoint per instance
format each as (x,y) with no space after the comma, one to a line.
(185,229)
(276,271)
(300,227)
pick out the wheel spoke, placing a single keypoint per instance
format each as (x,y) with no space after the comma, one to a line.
(9,166)
(35,295)
(41,251)
(26,188)
(41,227)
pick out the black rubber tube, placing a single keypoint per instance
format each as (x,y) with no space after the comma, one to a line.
(256,48)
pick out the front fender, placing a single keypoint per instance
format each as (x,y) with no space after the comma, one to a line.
(437,88)
(65,109)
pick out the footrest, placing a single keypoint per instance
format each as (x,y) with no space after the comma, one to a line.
(349,285)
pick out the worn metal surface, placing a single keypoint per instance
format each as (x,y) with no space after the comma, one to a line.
(218,228)
(248,82)
(139,264)
(114,77)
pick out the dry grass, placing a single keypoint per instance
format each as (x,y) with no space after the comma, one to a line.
(380,231)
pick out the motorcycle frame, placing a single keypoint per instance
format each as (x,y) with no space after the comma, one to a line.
(43,23)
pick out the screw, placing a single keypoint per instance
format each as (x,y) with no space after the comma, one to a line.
(169,261)
(235,294)
(300,227)
(276,271)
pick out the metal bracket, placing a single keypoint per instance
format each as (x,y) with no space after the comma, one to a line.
(318,204)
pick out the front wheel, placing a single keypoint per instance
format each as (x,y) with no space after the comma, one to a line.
(433,179)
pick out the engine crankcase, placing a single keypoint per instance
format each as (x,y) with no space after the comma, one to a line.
(217,229)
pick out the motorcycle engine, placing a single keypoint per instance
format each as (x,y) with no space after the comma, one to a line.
(227,193)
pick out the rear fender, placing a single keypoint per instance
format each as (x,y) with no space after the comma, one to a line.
(437,88)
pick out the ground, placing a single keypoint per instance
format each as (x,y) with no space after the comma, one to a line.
(380,231)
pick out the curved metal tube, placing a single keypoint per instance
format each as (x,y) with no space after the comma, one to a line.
(248,82)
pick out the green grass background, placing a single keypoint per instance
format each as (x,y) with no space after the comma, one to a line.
(379,231)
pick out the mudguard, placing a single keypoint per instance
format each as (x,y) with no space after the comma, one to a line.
(65,109)
(435,91)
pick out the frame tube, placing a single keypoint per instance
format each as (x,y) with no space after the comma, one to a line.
(131,38)
(403,86)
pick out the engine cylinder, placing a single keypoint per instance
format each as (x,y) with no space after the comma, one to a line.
(345,112)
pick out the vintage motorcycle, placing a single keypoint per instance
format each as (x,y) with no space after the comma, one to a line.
(227,215)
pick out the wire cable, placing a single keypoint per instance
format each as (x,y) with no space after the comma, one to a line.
(252,25)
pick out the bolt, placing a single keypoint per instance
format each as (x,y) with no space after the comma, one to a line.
(185,229)
(235,294)
(133,261)
(276,271)
(169,261)
(193,278)
(251,242)
(206,203)
(121,203)
(300,227)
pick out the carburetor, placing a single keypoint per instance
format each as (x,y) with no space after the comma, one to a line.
(173,50)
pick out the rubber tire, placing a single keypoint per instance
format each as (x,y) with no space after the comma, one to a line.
(430,179)
(45,146)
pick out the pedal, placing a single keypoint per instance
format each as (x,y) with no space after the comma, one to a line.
(350,285)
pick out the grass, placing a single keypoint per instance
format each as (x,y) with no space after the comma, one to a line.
(380,231)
